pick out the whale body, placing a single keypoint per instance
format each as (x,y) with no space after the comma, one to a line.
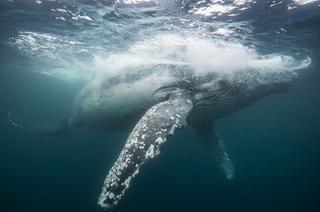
(152,102)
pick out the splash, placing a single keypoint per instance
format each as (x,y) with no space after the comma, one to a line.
(125,45)
(73,60)
(202,55)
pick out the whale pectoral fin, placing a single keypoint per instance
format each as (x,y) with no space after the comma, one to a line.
(223,159)
(215,145)
(36,129)
(143,144)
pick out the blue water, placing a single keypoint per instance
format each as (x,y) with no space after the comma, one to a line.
(49,49)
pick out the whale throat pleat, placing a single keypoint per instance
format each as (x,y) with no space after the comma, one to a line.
(143,144)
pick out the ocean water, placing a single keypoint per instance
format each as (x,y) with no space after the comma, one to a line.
(49,49)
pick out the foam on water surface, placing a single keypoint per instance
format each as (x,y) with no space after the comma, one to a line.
(108,49)
(202,55)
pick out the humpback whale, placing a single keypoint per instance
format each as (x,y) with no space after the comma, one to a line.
(153,102)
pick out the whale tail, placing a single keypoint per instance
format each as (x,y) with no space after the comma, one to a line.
(59,129)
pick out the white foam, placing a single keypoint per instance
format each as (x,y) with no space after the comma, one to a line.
(82,17)
(223,32)
(52,54)
(202,55)
(134,1)
(296,3)
(214,8)
(220,7)
(304,2)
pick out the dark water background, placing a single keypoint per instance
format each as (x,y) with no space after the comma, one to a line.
(274,144)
